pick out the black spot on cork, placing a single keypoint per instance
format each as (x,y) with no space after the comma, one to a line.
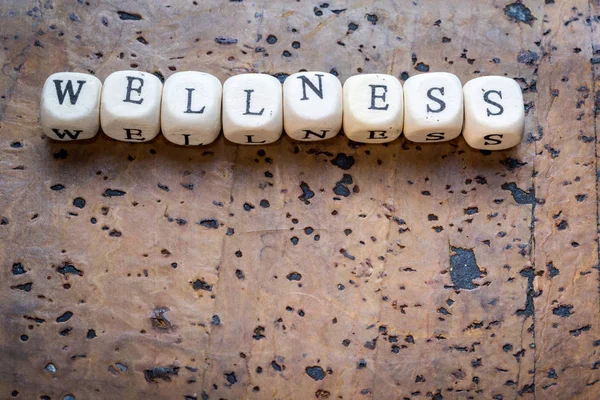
(57,187)
(422,67)
(579,331)
(26,287)
(127,16)
(113,193)
(372,18)
(91,334)
(552,271)
(527,57)
(65,317)
(209,223)
(315,372)
(352,27)
(343,161)
(519,195)
(79,202)
(563,311)
(200,284)
(258,333)
(282,76)
(528,273)
(307,194)
(68,268)
(463,268)
(159,319)
(562,225)
(340,187)
(225,40)
(471,210)
(163,373)
(17,269)
(231,378)
(61,154)
(271,39)
(512,163)
(276,366)
(265,203)
(518,12)
(294,276)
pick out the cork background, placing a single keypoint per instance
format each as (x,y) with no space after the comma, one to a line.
(302,270)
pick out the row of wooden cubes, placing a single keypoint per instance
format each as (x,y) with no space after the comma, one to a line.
(192,107)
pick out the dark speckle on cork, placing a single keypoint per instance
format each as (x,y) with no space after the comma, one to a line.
(315,372)
(343,161)
(463,268)
(519,12)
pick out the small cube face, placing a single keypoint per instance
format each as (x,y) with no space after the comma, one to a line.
(373,108)
(191,108)
(312,106)
(494,113)
(433,107)
(252,109)
(70,106)
(130,109)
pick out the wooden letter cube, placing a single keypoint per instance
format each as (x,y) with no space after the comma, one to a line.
(373,109)
(312,106)
(494,113)
(70,106)
(433,107)
(130,109)
(252,109)
(191,108)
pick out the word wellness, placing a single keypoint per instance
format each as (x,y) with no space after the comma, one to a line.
(193,107)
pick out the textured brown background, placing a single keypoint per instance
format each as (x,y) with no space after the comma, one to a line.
(319,270)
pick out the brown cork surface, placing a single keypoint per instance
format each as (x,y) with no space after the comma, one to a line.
(301,270)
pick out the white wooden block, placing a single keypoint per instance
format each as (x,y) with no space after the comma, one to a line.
(70,106)
(433,107)
(312,106)
(373,108)
(252,109)
(130,109)
(494,113)
(191,108)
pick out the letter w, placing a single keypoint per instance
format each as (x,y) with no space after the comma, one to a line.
(68,89)
(67,132)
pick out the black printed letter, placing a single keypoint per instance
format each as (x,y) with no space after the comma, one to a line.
(486,98)
(68,133)
(439,101)
(189,103)
(248,112)
(129,133)
(308,132)
(305,82)
(380,134)
(494,141)
(434,136)
(130,89)
(378,96)
(68,89)
(249,139)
